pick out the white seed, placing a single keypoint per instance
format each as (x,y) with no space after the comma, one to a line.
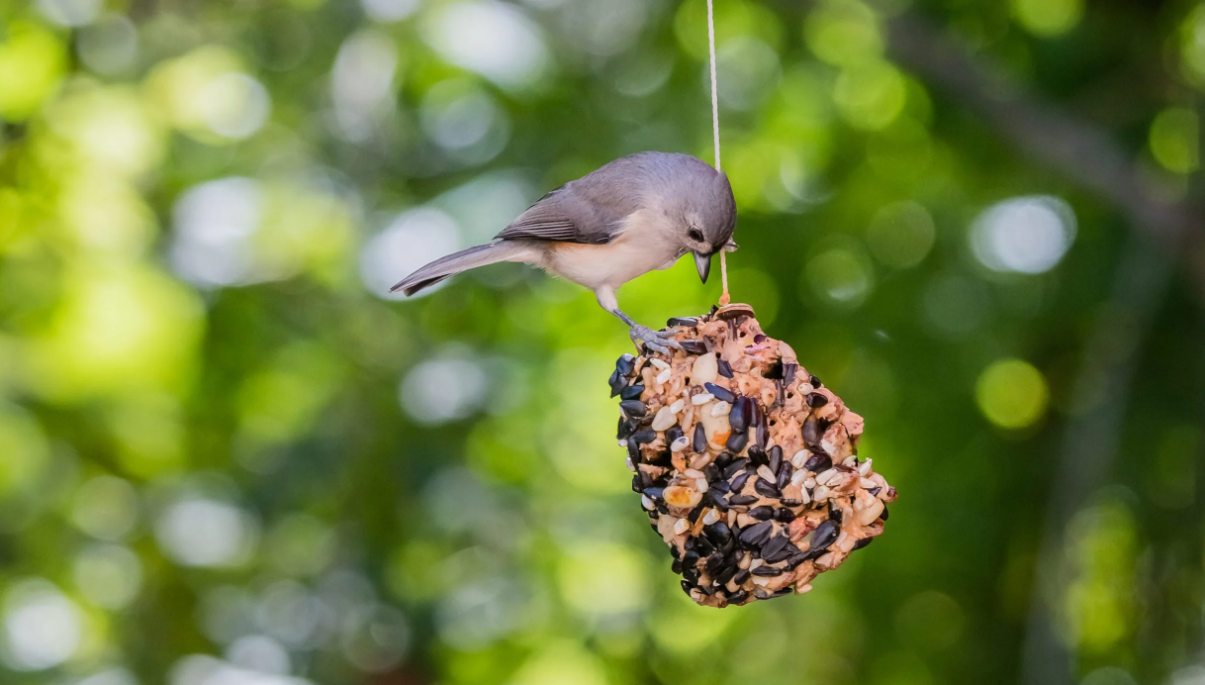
(711,517)
(800,458)
(704,369)
(702,398)
(867,483)
(664,419)
(659,363)
(850,462)
(820,494)
(805,388)
(647,503)
(824,444)
(679,444)
(799,477)
(761,581)
(720,409)
(631,466)
(864,468)
(746,559)
(805,497)
(803,589)
(766,474)
(692,473)
(623,443)
(664,375)
(755,563)
(825,476)
(870,513)
(681,526)
(701,484)
(677,406)
(809,483)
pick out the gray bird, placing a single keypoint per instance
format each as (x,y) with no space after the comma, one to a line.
(629,217)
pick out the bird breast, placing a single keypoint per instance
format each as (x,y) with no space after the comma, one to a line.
(642,246)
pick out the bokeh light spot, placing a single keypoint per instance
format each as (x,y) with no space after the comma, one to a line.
(1175,139)
(42,628)
(1025,235)
(1048,18)
(901,234)
(1011,393)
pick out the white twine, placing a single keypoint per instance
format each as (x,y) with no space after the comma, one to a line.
(715,128)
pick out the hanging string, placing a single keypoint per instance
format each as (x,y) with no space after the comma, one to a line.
(715,127)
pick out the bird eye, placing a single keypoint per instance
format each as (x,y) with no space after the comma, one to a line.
(696,235)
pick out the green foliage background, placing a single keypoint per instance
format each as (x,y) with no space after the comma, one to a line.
(227,457)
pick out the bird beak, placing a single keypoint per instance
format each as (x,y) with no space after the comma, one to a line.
(703,264)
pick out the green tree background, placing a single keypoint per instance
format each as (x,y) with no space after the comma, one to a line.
(228,457)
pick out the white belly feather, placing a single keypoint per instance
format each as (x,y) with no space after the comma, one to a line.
(638,250)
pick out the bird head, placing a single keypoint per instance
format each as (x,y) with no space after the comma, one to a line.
(708,219)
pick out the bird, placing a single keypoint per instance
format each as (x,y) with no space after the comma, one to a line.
(633,215)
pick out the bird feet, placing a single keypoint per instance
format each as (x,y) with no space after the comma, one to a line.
(658,341)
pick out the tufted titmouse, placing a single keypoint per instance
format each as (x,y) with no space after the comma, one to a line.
(631,216)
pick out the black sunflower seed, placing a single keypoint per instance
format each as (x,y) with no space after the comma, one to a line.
(767,571)
(788,373)
(645,436)
(634,408)
(721,394)
(818,462)
(739,481)
(863,543)
(740,577)
(637,483)
(724,367)
(700,439)
(756,535)
(633,449)
(631,392)
(719,484)
(676,567)
(834,512)
(816,400)
(824,535)
(625,365)
(774,545)
(781,554)
(736,466)
(711,472)
(773,457)
(741,500)
(616,382)
(766,489)
(740,414)
(690,558)
(874,492)
(757,455)
(625,430)
(687,586)
(884,514)
(785,471)
(791,502)
(737,441)
(693,346)
(718,532)
(815,382)
(714,564)
(784,515)
(703,546)
(813,431)
(672,434)
(781,593)
(762,513)
(654,493)
(686,321)
(727,573)
(796,560)
(738,598)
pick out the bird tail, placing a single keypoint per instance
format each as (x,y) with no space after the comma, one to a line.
(438,270)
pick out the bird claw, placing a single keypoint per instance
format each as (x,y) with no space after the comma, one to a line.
(658,341)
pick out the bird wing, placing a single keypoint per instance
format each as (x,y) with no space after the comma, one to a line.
(591,210)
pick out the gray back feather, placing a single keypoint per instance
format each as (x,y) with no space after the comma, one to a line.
(593,208)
